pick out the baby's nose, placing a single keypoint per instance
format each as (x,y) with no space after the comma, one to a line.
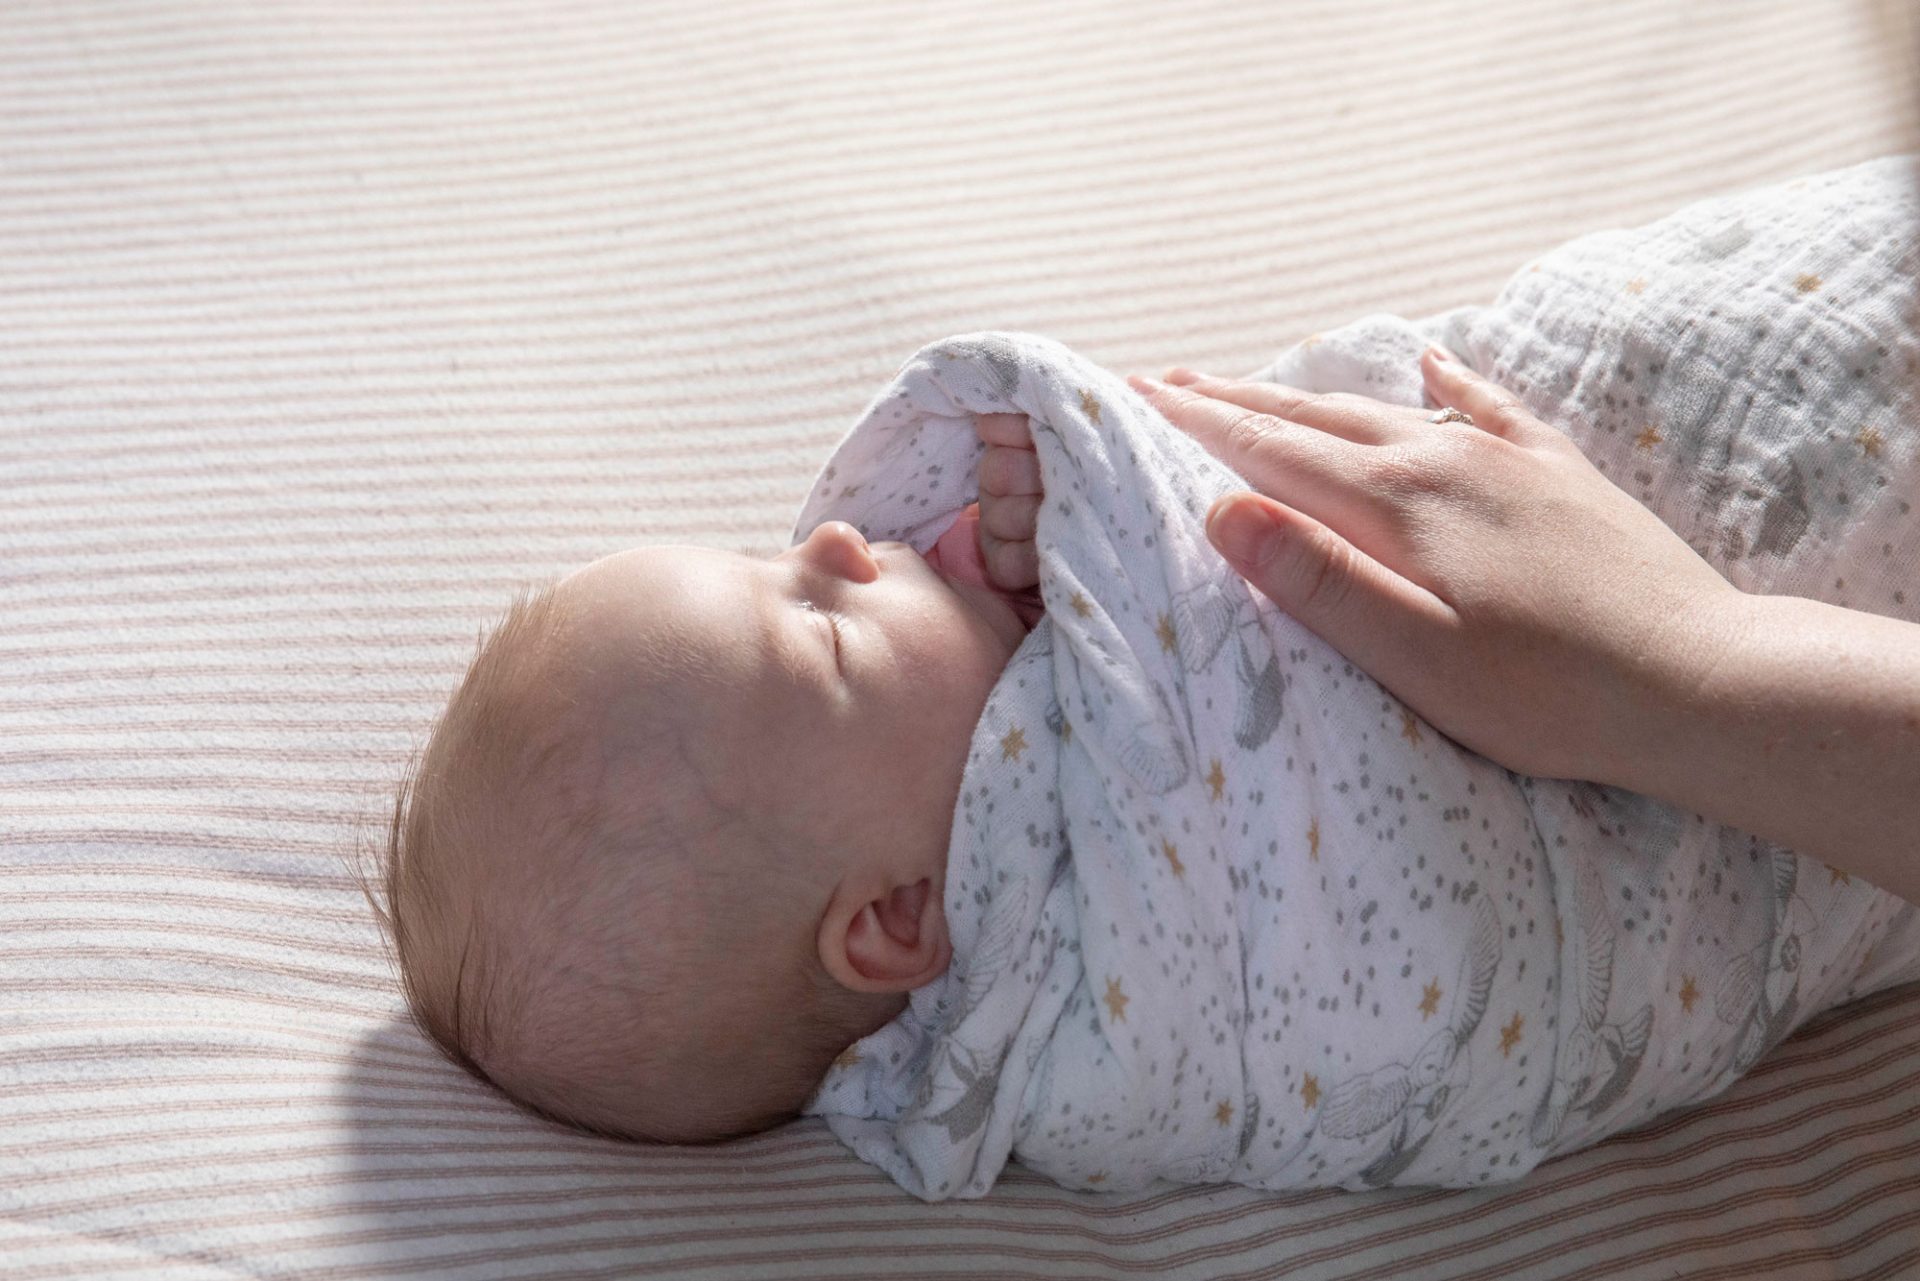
(846,550)
(839,531)
(851,532)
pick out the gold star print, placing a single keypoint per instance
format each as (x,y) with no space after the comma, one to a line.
(1510,1036)
(1309,1091)
(1216,779)
(847,1057)
(1870,440)
(1806,284)
(1837,877)
(1223,1113)
(1165,632)
(1097,1178)
(1313,841)
(1089,406)
(1313,340)
(1430,999)
(1649,437)
(1066,731)
(1688,994)
(1409,727)
(1116,1001)
(1636,285)
(1080,605)
(1013,744)
(1172,852)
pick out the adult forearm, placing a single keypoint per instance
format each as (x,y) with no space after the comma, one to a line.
(1798,721)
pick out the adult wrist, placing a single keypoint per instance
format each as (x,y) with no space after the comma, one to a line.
(1675,708)
(1796,721)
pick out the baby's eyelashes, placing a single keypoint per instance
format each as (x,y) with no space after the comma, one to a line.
(833,624)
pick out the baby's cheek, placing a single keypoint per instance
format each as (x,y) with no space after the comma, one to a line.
(952,684)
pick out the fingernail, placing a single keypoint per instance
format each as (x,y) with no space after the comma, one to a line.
(1440,354)
(1243,532)
(1180,376)
(1142,383)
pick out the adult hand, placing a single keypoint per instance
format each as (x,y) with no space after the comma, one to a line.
(1487,574)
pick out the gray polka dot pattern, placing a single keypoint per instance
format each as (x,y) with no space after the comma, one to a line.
(1224,910)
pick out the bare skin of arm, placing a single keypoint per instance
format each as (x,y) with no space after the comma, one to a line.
(1499,585)
(1798,721)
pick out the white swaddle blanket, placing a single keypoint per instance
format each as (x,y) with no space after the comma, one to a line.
(1223,909)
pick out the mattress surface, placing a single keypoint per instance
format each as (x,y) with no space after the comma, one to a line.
(325,326)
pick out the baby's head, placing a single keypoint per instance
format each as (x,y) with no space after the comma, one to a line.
(680,836)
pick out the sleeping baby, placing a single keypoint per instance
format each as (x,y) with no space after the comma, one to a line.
(1027,830)
(680,838)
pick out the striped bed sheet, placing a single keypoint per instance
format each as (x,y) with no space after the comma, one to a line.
(324,326)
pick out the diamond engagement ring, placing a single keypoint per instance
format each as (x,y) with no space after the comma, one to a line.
(1451,415)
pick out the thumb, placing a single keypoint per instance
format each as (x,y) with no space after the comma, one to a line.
(1311,572)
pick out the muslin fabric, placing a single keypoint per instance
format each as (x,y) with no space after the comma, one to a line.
(1224,910)
(327,327)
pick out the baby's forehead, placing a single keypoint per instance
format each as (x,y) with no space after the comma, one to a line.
(667,596)
(682,631)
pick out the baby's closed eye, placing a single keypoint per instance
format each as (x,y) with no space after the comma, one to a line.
(832,622)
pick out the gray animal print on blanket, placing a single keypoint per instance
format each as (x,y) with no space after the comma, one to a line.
(1760,991)
(1253,886)
(1402,1103)
(1204,618)
(1599,1056)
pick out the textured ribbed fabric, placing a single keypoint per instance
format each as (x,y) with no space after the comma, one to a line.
(324,326)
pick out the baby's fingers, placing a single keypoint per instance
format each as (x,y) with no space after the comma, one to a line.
(1013,566)
(1007,526)
(1012,430)
(1013,518)
(1009,470)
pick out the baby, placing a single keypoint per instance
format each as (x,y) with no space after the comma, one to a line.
(1134,877)
(680,837)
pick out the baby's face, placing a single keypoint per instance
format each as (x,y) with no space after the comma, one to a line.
(830,690)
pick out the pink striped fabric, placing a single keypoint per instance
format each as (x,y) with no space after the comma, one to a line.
(323,326)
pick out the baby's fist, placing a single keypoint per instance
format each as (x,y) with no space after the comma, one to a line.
(1010,494)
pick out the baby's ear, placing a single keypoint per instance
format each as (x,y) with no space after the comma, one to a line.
(879,937)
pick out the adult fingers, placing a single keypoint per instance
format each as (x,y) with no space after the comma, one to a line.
(1007,469)
(1493,408)
(1372,615)
(1295,463)
(1356,418)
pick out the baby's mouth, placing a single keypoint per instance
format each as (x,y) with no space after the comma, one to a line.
(991,607)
